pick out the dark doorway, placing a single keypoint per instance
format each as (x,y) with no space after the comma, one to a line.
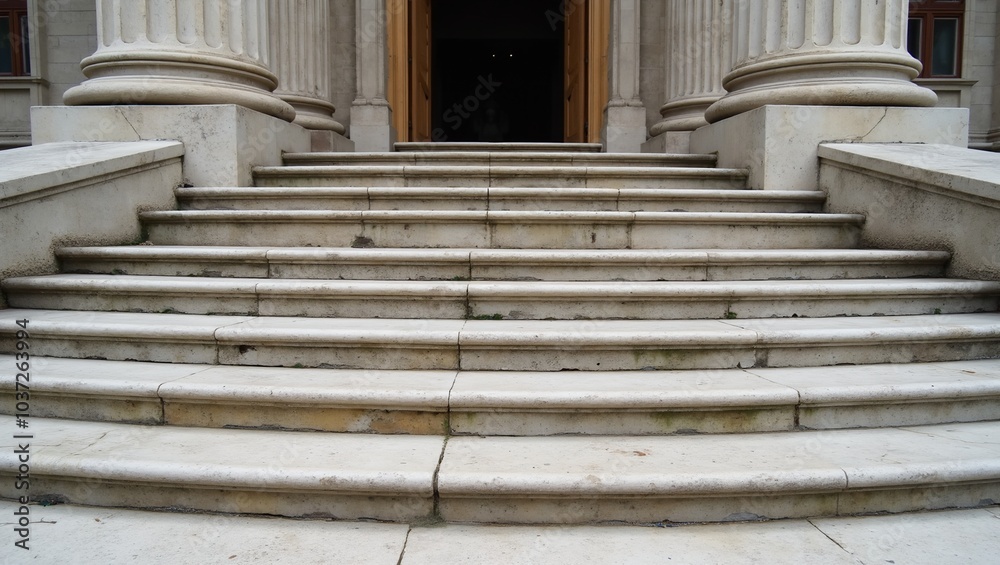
(497,70)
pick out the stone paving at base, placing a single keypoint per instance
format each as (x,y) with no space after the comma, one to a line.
(82,535)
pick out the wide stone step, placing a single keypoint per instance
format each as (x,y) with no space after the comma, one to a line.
(557,480)
(511,403)
(424,147)
(346,476)
(718,478)
(502,264)
(505,345)
(589,176)
(524,300)
(501,159)
(519,230)
(498,199)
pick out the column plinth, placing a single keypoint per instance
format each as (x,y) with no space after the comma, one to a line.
(180,53)
(818,52)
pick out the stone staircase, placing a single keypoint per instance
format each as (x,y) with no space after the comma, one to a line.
(507,334)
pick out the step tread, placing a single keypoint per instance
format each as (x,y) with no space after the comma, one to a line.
(560,467)
(499,216)
(275,192)
(442,332)
(221,458)
(540,290)
(669,466)
(461,391)
(499,158)
(512,255)
(499,170)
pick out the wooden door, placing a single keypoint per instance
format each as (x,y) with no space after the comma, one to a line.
(420,70)
(575,75)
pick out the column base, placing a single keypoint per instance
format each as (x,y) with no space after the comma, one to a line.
(330,141)
(778,144)
(371,128)
(624,129)
(669,142)
(221,142)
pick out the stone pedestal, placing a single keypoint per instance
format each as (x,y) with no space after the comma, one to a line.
(222,144)
(778,144)
(625,117)
(820,52)
(371,116)
(300,57)
(181,52)
(700,54)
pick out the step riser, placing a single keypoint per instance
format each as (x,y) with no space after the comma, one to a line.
(512,271)
(733,508)
(583,235)
(482,353)
(459,307)
(433,146)
(317,504)
(486,160)
(727,507)
(345,177)
(519,205)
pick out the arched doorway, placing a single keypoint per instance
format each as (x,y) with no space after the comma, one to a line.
(498,70)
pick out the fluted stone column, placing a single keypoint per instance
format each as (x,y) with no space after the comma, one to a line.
(625,123)
(181,52)
(699,56)
(300,57)
(820,52)
(993,137)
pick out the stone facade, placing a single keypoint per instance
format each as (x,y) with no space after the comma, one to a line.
(687,54)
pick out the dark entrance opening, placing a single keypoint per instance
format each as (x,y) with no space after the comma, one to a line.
(497,70)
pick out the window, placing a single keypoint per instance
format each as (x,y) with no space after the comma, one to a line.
(15,54)
(934,36)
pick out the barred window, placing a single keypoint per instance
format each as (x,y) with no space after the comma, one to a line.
(934,36)
(15,54)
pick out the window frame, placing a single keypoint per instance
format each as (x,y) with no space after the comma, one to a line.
(20,61)
(927,11)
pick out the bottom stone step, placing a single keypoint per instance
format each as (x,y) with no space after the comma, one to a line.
(556,480)
(574,480)
(342,476)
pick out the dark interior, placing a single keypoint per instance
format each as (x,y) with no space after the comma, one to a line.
(497,70)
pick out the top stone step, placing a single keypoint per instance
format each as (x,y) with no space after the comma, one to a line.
(473,146)
(501,159)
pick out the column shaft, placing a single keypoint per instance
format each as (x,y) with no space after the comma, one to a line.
(699,55)
(181,52)
(820,52)
(300,49)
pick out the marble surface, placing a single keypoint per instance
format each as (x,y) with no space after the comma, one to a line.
(83,535)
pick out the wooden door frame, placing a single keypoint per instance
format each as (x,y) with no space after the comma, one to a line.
(598,38)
